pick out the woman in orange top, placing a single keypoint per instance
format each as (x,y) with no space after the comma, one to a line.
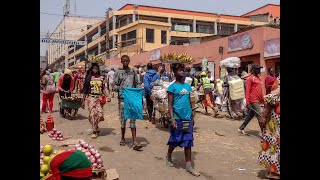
(269,155)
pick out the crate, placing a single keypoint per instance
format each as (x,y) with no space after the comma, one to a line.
(99,174)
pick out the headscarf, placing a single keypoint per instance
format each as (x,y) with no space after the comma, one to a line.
(71,163)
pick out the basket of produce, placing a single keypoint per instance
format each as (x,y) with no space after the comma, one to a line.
(94,59)
(172,58)
(71,102)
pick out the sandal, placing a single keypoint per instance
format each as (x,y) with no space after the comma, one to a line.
(94,136)
(269,175)
(137,147)
(193,172)
(122,143)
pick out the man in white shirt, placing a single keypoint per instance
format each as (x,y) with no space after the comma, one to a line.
(110,81)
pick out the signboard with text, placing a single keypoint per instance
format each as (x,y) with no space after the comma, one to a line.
(182,28)
(62,41)
(155,54)
(240,42)
(272,47)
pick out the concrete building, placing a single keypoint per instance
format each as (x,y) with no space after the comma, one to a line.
(69,28)
(259,45)
(43,62)
(135,29)
(267,13)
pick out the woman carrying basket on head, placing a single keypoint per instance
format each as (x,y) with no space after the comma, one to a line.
(94,91)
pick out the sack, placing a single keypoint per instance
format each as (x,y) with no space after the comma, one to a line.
(236,89)
(102,100)
(185,126)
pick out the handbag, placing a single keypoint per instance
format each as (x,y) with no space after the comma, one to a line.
(185,126)
(103,100)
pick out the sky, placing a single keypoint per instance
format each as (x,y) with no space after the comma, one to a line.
(97,8)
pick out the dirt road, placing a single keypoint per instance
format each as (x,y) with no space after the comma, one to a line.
(219,151)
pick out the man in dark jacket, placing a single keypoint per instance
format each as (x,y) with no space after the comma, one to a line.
(150,77)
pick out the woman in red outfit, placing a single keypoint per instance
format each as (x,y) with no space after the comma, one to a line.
(48,90)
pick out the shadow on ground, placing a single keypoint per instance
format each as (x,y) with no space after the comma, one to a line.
(262,174)
(179,160)
(141,140)
(106,131)
(78,117)
(254,133)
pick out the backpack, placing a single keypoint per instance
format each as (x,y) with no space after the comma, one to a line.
(50,86)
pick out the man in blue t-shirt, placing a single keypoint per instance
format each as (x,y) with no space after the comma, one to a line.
(150,77)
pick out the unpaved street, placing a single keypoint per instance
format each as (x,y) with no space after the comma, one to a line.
(220,152)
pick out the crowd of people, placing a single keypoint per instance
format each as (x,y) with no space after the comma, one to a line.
(98,89)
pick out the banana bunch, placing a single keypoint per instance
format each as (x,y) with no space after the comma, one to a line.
(72,99)
(184,58)
(94,59)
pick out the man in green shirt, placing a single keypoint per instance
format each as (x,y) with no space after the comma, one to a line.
(56,76)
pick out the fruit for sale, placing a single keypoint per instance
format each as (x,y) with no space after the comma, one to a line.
(44,169)
(46,159)
(47,149)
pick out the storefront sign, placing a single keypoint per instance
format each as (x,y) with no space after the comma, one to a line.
(211,68)
(62,41)
(182,28)
(204,64)
(272,47)
(155,54)
(240,42)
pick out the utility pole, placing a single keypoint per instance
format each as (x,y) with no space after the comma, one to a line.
(66,10)
(65,14)
(107,33)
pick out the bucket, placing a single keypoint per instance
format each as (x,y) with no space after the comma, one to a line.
(49,123)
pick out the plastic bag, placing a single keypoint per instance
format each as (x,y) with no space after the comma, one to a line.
(217,100)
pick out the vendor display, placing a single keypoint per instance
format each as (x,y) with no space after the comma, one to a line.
(92,154)
(55,135)
(175,58)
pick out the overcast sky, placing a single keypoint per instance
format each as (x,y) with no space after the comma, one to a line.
(97,8)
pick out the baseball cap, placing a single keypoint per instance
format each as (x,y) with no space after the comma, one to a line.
(256,66)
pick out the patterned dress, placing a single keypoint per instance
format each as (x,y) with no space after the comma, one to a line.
(94,105)
(269,154)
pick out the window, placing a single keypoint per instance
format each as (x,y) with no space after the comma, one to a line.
(150,35)
(132,34)
(163,37)
(123,40)
(128,38)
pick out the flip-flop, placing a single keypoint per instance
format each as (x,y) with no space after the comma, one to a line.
(122,143)
(137,147)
